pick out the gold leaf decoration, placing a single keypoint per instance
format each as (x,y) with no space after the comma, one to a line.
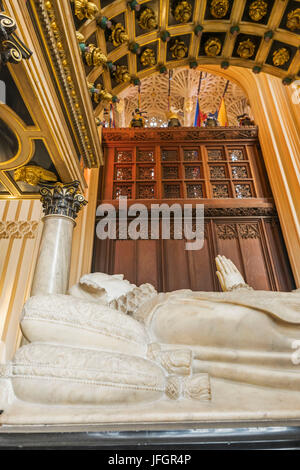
(293,20)
(280,57)
(94,56)
(246,49)
(85,9)
(118,35)
(183,12)
(33,175)
(179,49)
(219,8)
(147,19)
(213,47)
(121,74)
(148,58)
(258,10)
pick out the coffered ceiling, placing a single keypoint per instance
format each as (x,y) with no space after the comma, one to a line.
(140,38)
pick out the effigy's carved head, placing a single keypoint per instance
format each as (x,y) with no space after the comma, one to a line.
(101,286)
(113,290)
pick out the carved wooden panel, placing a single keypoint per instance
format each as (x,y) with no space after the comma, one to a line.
(221,168)
(255,246)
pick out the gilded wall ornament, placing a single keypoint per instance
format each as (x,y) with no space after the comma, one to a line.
(118,35)
(148,58)
(246,49)
(121,74)
(219,8)
(293,20)
(183,11)
(84,9)
(33,175)
(213,47)
(281,57)
(258,10)
(178,49)
(147,19)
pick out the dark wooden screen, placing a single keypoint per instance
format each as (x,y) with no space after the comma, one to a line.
(221,168)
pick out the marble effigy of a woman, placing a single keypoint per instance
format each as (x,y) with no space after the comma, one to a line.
(109,350)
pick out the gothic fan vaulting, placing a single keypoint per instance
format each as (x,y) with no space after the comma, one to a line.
(184,90)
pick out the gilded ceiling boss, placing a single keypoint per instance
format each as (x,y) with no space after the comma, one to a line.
(183,12)
(258,10)
(213,47)
(121,74)
(178,49)
(293,20)
(281,57)
(148,58)
(147,19)
(85,9)
(219,8)
(246,49)
(118,35)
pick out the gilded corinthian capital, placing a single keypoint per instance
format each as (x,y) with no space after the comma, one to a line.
(62,199)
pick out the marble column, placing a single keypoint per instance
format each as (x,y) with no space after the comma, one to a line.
(61,204)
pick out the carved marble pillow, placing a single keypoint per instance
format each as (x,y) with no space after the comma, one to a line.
(63,319)
(63,375)
(51,374)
